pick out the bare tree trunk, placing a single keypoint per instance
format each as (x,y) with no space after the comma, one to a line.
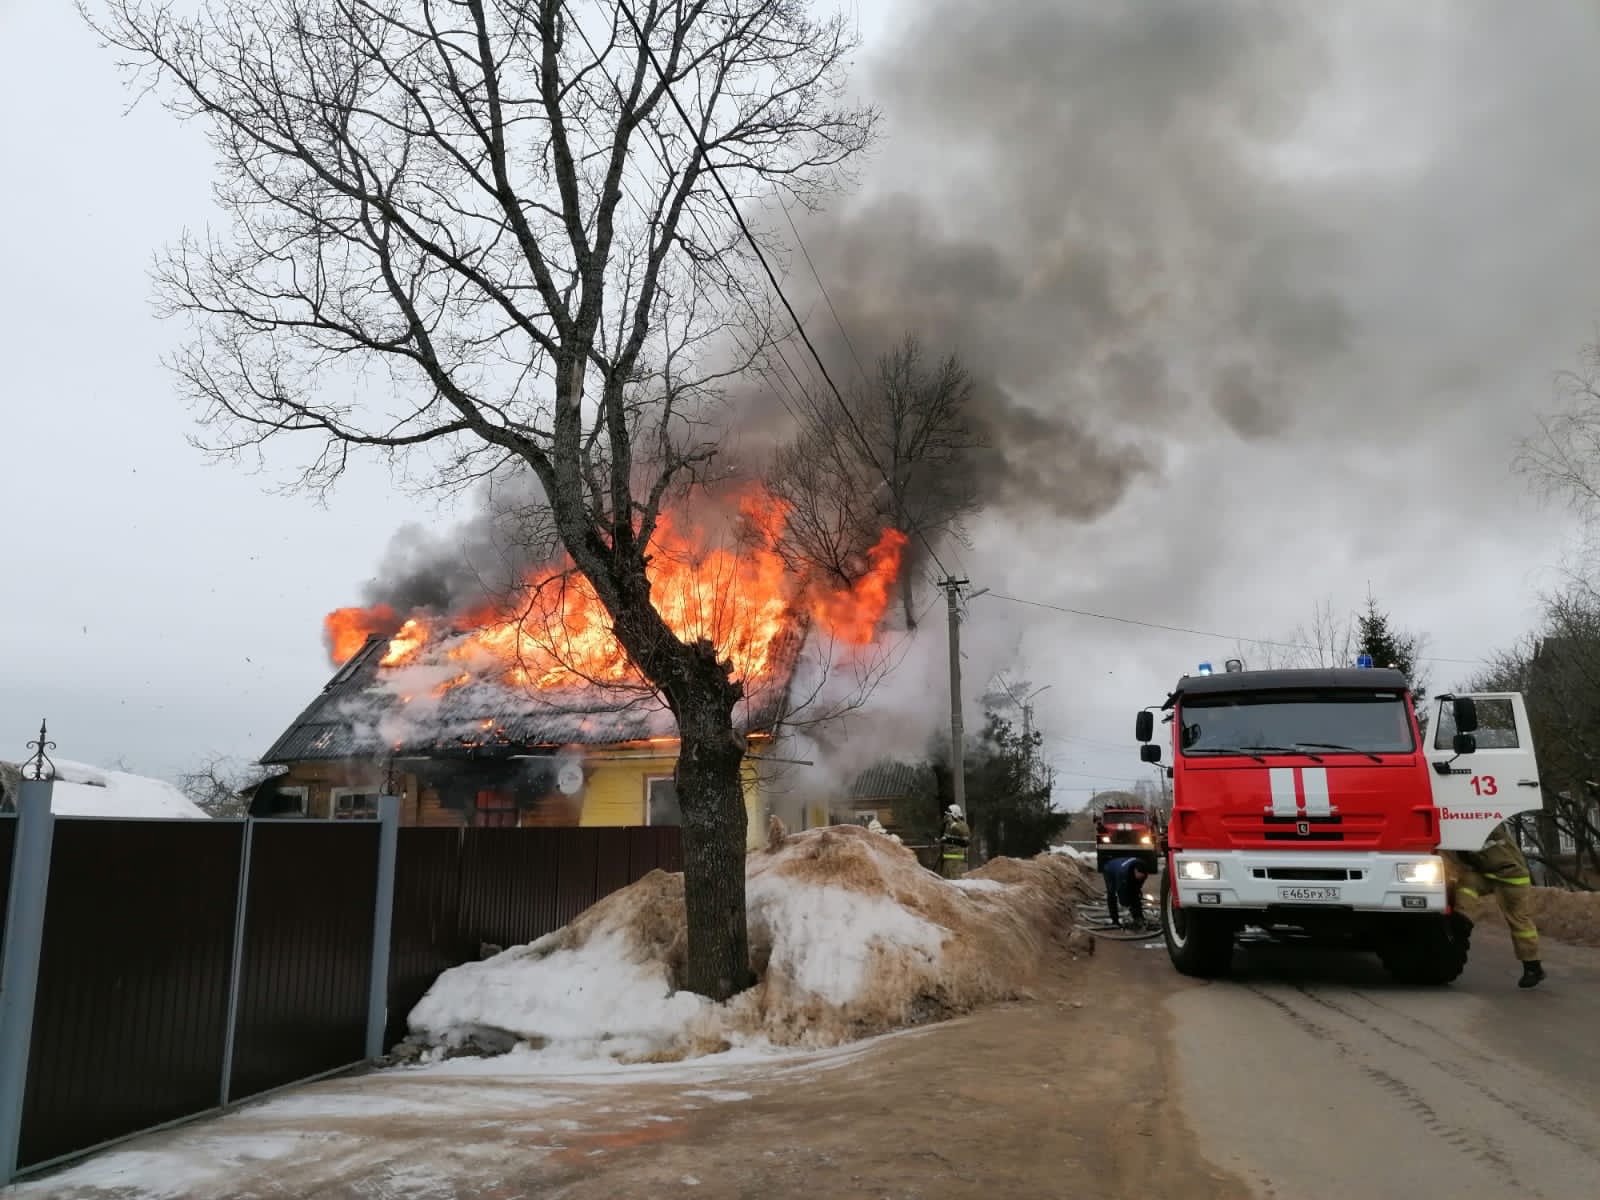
(715,825)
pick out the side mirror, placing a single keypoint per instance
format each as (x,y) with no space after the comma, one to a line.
(1144,727)
(1465,743)
(1466,715)
(1150,753)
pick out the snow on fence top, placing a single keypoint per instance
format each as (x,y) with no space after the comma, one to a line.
(850,937)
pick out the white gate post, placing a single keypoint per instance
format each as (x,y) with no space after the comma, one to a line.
(24,941)
(382,924)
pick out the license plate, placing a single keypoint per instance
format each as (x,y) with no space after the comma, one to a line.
(1308,893)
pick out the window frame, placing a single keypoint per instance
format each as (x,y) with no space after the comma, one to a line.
(303,792)
(335,794)
(653,779)
(509,807)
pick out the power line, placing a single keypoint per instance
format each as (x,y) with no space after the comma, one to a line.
(1227,637)
(823,288)
(733,210)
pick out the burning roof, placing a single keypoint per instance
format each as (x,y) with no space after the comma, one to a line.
(541,667)
(366,711)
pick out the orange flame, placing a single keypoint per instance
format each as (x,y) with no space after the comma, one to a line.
(556,632)
(347,629)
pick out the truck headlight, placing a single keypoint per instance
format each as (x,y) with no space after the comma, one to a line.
(1197,869)
(1424,871)
(1105,837)
(1146,840)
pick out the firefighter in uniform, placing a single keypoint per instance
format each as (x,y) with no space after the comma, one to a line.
(1125,889)
(953,841)
(1501,869)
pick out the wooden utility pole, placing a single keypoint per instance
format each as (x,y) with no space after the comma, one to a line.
(958,771)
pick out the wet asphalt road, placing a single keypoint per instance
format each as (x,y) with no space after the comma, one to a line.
(1312,1077)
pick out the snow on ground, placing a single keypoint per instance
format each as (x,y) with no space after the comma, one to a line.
(417,1132)
(84,791)
(850,937)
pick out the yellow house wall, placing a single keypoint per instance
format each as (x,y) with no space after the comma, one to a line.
(614,790)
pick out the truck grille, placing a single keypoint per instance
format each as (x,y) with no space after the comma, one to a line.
(1308,873)
(1350,830)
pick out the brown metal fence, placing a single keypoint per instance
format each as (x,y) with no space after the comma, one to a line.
(131,1007)
(457,889)
(130,1026)
(307,952)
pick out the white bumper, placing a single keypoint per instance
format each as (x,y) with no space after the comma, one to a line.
(1258,879)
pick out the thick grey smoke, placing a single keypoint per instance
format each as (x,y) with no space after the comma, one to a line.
(479,559)
(1266,292)
(1079,199)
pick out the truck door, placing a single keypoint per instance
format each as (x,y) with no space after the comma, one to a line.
(1478,791)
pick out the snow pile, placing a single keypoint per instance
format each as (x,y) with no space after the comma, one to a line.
(84,791)
(850,937)
(1563,916)
(1087,857)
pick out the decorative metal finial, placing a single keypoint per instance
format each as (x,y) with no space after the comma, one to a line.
(39,765)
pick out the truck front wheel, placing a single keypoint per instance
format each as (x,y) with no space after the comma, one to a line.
(1199,943)
(1426,950)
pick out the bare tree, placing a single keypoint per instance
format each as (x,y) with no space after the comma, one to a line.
(1558,672)
(218,784)
(1562,461)
(903,457)
(472,233)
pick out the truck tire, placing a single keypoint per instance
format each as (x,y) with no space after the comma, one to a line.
(1198,943)
(1428,951)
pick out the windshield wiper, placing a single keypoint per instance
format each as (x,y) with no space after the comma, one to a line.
(1294,749)
(1337,747)
(1248,753)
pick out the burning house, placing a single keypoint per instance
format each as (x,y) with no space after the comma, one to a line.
(525,710)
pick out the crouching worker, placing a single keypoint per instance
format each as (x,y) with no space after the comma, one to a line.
(1501,868)
(953,841)
(1125,889)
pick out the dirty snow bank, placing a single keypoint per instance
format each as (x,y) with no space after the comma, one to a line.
(849,937)
(1571,917)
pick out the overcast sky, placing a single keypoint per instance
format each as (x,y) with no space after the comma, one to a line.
(1283,285)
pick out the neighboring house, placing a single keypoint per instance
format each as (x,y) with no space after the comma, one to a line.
(84,791)
(481,752)
(891,792)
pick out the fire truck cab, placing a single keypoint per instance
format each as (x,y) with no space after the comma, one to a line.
(1307,805)
(1127,833)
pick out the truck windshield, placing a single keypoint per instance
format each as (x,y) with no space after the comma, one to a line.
(1125,818)
(1329,723)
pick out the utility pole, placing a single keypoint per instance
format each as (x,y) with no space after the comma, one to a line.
(958,771)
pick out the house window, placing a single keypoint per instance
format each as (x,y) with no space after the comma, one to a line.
(291,802)
(494,810)
(661,801)
(354,804)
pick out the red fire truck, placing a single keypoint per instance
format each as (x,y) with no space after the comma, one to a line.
(1307,805)
(1124,832)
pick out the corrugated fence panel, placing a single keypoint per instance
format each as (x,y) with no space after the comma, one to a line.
(671,848)
(577,864)
(307,951)
(458,889)
(427,919)
(611,871)
(132,1004)
(8,838)
(508,884)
